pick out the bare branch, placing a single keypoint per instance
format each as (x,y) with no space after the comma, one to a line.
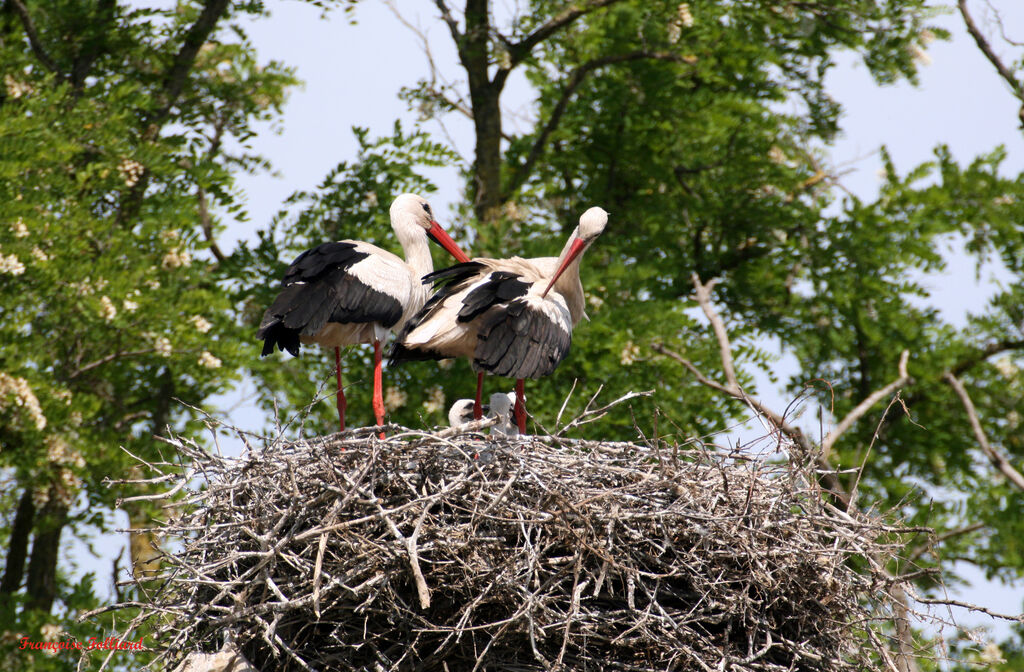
(864,406)
(575,79)
(994,456)
(986,48)
(938,539)
(207,223)
(453,25)
(33,36)
(106,359)
(703,291)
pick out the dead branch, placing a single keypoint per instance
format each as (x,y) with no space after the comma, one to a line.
(995,457)
(864,406)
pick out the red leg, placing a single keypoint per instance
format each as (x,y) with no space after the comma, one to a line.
(520,409)
(478,409)
(378,391)
(342,403)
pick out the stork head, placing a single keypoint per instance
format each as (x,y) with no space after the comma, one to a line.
(461,413)
(413,210)
(592,223)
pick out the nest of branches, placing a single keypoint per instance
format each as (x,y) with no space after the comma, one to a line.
(434,552)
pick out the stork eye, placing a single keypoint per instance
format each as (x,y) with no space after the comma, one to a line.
(426,206)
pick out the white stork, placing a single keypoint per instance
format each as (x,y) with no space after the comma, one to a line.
(350,292)
(510,317)
(500,407)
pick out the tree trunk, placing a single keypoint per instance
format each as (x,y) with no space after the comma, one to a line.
(14,570)
(485,95)
(41,586)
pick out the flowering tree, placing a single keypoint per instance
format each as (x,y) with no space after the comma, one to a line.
(113,179)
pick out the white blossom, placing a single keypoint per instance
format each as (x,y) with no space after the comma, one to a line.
(40,255)
(19,229)
(371,198)
(16,392)
(595,301)
(56,449)
(394,398)
(107,309)
(67,487)
(129,306)
(162,346)
(918,53)
(153,284)
(130,171)
(10,264)
(63,395)
(992,654)
(40,496)
(1006,367)
(201,324)
(630,353)
(50,632)
(16,89)
(435,400)
(684,14)
(176,258)
(209,361)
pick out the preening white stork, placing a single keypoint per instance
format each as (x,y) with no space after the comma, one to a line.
(510,317)
(350,292)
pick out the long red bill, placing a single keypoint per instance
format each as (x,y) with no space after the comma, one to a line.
(444,240)
(576,250)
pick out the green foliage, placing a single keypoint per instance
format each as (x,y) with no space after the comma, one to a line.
(113,182)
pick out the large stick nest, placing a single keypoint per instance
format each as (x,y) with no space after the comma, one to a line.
(430,553)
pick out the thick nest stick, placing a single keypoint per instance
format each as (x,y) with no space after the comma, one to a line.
(432,553)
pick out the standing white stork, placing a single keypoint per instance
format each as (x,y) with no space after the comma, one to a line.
(510,317)
(350,292)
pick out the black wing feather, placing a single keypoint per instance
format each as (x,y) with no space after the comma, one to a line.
(518,341)
(318,288)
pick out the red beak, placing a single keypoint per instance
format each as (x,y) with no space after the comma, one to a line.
(444,240)
(576,250)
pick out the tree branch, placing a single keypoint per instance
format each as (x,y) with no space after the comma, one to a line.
(986,48)
(703,291)
(453,25)
(521,50)
(33,36)
(864,406)
(938,539)
(733,389)
(991,349)
(107,359)
(195,38)
(576,78)
(994,456)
